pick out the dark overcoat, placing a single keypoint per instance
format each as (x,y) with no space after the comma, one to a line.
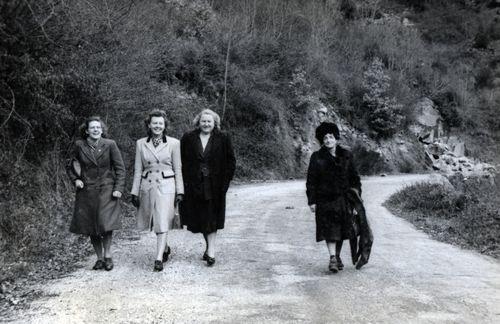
(102,172)
(207,175)
(329,179)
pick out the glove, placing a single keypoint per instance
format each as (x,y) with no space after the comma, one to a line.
(178,198)
(135,201)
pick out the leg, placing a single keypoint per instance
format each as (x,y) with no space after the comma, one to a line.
(107,239)
(97,244)
(161,243)
(331,248)
(338,249)
(332,266)
(211,238)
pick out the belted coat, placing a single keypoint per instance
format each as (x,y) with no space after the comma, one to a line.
(102,171)
(157,180)
(207,174)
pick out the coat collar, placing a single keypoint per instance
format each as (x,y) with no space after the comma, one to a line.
(99,150)
(156,150)
(204,154)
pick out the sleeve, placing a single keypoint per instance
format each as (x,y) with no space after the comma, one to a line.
(312,180)
(119,167)
(72,164)
(137,171)
(177,166)
(354,178)
(230,166)
(184,158)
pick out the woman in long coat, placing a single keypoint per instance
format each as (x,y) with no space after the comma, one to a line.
(98,172)
(158,185)
(208,165)
(330,177)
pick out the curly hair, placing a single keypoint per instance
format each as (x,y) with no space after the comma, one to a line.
(327,128)
(85,126)
(156,113)
(196,120)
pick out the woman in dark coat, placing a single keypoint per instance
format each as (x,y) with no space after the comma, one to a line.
(330,176)
(98,172)
(208,166)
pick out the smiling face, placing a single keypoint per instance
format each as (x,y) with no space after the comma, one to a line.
(207,123)
(329,141)
(157,125)
(94,130)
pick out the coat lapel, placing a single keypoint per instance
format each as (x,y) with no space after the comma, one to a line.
(101,147)
(87,151)
(149,145)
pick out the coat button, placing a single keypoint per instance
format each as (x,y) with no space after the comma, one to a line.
(149,162)
(157,180)
(157,171)
(149,180)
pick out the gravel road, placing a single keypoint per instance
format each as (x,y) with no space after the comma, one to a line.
(270,269)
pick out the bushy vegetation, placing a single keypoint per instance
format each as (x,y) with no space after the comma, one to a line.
(260,64)
(463,211)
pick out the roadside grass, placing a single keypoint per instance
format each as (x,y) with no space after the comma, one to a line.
(463,212)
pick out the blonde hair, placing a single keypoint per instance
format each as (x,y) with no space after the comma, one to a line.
(196,120)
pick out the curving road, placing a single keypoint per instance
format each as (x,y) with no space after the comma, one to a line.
(270,269)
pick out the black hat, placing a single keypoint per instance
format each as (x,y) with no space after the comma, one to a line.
(327,128)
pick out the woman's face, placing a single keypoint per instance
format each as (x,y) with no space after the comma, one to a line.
(329,141)
(207,123)
(157,125)
(94,130)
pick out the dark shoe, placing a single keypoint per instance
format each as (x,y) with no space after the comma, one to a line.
(340,265)
(108,264)
(332,266)
(210,261)
(158,265)
(99,265)
(166,255)
(205,256)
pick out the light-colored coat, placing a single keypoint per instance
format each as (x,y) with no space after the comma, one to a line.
(157,180)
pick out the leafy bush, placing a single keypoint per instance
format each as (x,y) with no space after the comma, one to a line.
(368,162)
(384,116)
(447,106)
(467,211)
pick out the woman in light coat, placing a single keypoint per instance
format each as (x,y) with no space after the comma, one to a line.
(98,172)
(158,184)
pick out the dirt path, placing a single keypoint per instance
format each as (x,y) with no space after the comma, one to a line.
(270,268)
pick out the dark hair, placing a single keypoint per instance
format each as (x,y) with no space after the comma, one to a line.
(85,126)
(326,128)
(155,113)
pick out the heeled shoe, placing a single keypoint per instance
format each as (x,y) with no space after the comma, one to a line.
(166,254)
(210,261)
(205,256)
(158,266)
(108,264)
(99,265)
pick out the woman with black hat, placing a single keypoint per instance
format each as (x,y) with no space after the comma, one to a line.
(330,176)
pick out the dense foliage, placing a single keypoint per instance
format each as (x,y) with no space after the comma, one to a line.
(262,65)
